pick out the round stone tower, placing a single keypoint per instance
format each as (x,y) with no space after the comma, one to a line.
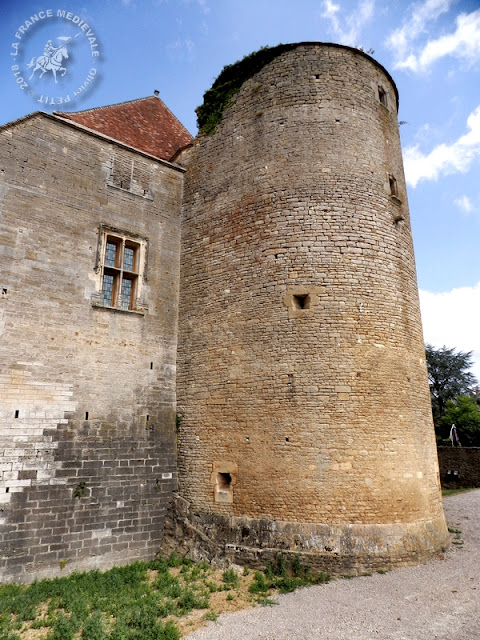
(306,425)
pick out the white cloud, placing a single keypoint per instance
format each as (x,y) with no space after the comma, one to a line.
(181,47)
(346,29)
(444,159)
(415,24)
(464,203)
(464,43)
(202,4)
(451,319)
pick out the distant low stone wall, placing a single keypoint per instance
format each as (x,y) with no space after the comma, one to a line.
(459,466)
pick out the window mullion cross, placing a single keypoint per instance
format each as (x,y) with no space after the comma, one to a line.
(119,300)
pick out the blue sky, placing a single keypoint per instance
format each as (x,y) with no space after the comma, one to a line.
(430,47)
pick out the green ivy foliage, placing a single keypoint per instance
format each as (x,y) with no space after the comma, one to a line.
(231,78)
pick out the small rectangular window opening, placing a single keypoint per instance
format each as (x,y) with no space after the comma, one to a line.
(17,413)
(151,365)
(223,489)
(302,301)
(393,186)
(382,96)
(86,415)
(224,480)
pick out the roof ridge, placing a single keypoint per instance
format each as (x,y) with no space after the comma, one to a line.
(152,127)
(173,115)
(58,117)
(27,116)
(115,104)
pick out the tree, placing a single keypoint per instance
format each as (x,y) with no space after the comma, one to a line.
(449,377)
(464,413)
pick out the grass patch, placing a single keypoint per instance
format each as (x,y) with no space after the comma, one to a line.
(156,600)
(285,578)
(120,604)
(456,531)
(266,602)
(230,579)
(211,616)
(454,492)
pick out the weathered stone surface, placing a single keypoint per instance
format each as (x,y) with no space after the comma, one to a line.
(301,357)
(306,424)
(459,466)
(78,492)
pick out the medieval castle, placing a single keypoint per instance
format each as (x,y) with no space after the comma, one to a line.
(215,341)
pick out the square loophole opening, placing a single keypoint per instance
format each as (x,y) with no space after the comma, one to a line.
(302,301)
(224,488)
(224,480)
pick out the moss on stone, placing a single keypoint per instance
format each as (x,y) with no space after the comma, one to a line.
(231,78)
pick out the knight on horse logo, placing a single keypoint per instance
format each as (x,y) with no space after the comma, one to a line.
(75,69)
(52,58)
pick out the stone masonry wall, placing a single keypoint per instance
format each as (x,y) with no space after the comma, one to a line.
(459,466)
(87,410)
(302,376)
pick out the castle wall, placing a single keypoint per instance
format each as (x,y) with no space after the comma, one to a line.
(459,466)
(302,377)
(87,411)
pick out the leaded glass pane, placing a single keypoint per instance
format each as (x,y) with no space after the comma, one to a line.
(126,293)
(110,254)
(107,290)
(128,258)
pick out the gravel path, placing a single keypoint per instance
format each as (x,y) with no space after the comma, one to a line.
(439,600)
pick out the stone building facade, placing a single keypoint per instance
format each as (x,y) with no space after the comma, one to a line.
(89,263)
(280,246)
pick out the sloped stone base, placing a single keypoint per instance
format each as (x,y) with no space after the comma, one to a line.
(337,548)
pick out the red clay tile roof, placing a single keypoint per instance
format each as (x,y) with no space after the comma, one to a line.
(146,124)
